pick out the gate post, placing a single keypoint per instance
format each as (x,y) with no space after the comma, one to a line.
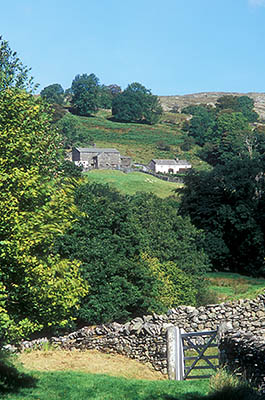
(175,357)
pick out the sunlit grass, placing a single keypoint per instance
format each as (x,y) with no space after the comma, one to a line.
(133,182)
(66,375)
(81,386)
(90,361)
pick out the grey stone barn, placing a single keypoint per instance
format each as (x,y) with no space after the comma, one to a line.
(99,158)
(169,166)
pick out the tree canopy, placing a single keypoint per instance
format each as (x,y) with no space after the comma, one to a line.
(209,125)
(130,248)
(85,94)
(228,204)
(39,288)
(243,104)
(12,71)
(136,104)
(202,125)
(53,94)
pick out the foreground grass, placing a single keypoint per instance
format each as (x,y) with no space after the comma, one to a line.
(83,386)
(133,182)
(230,286)
(90,361)
(57,374)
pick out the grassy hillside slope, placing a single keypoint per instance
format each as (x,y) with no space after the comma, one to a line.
(140,141)
(133,182)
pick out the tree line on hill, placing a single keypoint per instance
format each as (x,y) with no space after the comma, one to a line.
(76,252)
(87,95)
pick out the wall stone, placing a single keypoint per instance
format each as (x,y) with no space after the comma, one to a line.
(244,354)
(145,339)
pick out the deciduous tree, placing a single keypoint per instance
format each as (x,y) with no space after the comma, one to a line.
(228,203)
(40,289)
(12,71)
(53,94)
(136,104)
(85,94)
(110,237)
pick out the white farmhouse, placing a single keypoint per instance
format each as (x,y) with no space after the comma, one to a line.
(169,166)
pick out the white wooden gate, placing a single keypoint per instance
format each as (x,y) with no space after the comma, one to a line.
(181,364)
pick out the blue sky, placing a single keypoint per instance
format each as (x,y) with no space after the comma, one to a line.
(171,46)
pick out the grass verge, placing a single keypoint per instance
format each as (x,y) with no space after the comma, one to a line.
(83,386)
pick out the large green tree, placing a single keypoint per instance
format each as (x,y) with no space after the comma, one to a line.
(85,94)
(39,289)
(234,139)
(107,94)
(202,124)
(209,125)
(53,94)
(136,104)
(228,204)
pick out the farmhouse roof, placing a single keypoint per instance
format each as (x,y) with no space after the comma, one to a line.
(171,162)
(96,150)
(182,162)
(165,162)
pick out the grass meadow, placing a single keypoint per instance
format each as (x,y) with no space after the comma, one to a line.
(62,375)
(133,182)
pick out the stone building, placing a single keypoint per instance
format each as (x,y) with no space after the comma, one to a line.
(99,158)
(169,166)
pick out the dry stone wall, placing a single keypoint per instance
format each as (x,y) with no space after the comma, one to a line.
(244,354)
(145,339)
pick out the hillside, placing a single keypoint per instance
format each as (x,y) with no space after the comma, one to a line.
(141,142)
(169,102)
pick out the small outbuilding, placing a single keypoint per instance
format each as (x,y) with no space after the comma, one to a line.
(169,166)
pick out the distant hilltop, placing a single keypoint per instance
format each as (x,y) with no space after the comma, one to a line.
(169,103)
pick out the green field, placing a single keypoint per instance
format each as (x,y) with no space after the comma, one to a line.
(230,286)
(133,182)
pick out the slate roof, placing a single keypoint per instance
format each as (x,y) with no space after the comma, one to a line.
(95,150)
(165,162)
(171,162)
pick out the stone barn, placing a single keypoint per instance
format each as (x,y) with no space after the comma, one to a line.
(99,158)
